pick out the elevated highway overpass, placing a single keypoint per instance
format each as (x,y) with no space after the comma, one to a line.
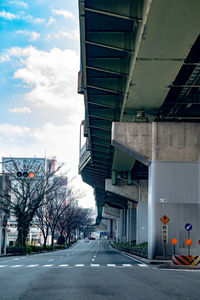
(140,76)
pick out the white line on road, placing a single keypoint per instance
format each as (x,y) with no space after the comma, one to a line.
(32,266)
(15,258)
(94,265)
(93,259)
(16,266)
(79,265)
(47,265)
(111,265)
(3,266)
(142,265)
(126,265)
(64,265)
(51,259)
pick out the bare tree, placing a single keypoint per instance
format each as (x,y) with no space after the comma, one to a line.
(28,193)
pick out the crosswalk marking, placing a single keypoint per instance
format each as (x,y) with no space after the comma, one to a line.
(32,266)
(142,265)
(47,266)
(67,265)
(64,265)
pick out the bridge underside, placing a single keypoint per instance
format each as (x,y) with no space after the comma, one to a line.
(140,62)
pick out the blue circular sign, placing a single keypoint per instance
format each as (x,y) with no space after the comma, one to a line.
(188,226)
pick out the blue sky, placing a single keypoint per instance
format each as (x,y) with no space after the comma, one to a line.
(39,62)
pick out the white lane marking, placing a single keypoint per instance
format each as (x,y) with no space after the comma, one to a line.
(126,265)
(111,265)
(64,265)
(94,255)
(79,265)
(51,259)
(142,265)
(93,259)
(16,266)
(32,266)
(15,258)
(186,270)
(3,266)
(94,265)
(47,266)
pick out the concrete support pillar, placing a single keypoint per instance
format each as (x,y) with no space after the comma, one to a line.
(122,236)
(0,240)
(172,153)
(142,213)
(131,222)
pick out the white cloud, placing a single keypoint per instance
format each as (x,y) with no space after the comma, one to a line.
(31,19)
(70,34)
(20,110)
(33,35)
(65,13)
(27,18)
(4,58)
(13,134)
(7,15)
(19,3)
(51,21)
(52,76)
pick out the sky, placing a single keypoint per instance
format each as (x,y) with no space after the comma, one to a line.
(40,109)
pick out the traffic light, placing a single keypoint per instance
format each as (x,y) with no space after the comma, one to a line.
(25,174)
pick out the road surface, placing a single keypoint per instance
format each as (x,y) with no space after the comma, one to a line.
(91,271)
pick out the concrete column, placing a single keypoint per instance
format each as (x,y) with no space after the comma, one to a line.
(0,239)
(142,213)
(172,153)
(131,223)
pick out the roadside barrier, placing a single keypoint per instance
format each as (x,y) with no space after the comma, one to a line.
(185,260)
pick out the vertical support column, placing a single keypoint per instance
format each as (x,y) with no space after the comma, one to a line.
(142,214)
(0,239)
(131,222)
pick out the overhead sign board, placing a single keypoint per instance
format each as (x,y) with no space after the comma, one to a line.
(24,165)
(165,219)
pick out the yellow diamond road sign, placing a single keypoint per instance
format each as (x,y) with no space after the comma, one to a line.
(165,219)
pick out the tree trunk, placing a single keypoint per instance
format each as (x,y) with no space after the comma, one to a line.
(52,239)
(23,230)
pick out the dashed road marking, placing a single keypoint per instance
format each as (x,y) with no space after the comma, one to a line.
(47,266)
(95,265)
(111,265)
(142,265)
(79,265)
(16,266)
(126,265)
(93,259)
(3,266)
(32,266)
(64,265)
(51,259)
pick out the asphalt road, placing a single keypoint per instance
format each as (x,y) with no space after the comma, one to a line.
(92,271)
